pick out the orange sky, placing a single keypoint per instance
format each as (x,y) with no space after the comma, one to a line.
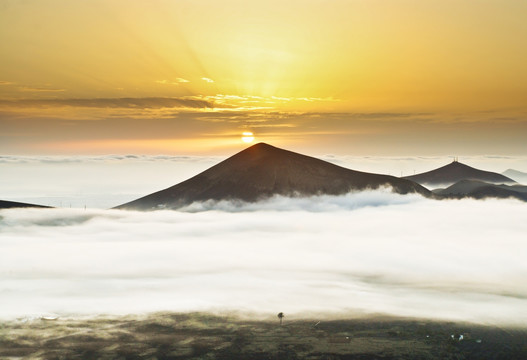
(188,77)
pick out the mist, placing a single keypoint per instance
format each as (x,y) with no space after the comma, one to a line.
(75,181)
(329,256)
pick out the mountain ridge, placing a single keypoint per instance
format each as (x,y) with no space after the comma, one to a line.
(456,171)
(261,171)
(480,190)
(4,204)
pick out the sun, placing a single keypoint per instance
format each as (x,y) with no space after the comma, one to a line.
(247,137)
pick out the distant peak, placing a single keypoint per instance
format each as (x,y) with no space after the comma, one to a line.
(458,164)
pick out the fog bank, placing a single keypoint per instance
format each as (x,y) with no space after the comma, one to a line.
(372,252)
(111,180)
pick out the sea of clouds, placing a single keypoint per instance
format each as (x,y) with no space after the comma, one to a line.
(109,180)
(328,256)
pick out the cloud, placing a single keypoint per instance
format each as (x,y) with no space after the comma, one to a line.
(130,103)
(253,102)
(39,89)
(6,82)
(69,180)
(52,180)
(313,99)
(36,124)
(388,115)
(207,80)
(381,197)
(57,159)
(372,252)
(177,82)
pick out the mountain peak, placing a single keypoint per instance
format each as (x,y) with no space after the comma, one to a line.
(261,146)
(458,165)
(4,204)
(456,171)
(261,171)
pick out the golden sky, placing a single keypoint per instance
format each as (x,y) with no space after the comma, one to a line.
(189,77)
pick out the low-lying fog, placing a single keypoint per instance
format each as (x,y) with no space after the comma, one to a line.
(372,252)
(110,180)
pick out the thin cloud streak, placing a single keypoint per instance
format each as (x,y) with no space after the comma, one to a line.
(363,253)
(39,89)
(31,125)
(136,103)
(57,159)
(168,82)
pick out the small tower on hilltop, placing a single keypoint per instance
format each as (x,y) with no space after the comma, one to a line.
(281,316)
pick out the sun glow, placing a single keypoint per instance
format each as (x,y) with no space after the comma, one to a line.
(247,137)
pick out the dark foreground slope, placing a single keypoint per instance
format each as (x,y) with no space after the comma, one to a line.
(456,171)
(202,336)
(262,171)
(13,204)
(480,190)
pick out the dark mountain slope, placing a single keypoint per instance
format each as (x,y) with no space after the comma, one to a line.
(481,190)
(13,204)
(456,171)
(261,171)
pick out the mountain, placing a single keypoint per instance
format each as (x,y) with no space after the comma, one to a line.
(479,190)
(262,171)
(13,204)
(516,175)
(456,171)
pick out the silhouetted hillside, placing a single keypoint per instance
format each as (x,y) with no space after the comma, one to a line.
(261,171)
(456,171)
(13,204)
(480,190)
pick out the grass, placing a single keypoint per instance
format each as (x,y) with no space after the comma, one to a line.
(205,336)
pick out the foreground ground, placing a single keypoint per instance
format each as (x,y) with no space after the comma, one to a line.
(203,336)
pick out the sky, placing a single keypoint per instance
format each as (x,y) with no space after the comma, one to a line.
(313,263)
(357,77)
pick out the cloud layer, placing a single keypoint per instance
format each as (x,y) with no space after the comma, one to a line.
(141,103)
(64,180)
(365,253)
